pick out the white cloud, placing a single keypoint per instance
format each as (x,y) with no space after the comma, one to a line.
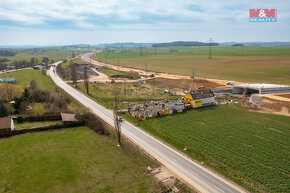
(201,18)
(40,11)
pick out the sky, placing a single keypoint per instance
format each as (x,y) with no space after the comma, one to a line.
(63,22)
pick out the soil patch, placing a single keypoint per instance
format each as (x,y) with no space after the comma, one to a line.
(187,83)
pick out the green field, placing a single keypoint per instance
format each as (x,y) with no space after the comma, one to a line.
(24,77)
(250,64)
(55,54)
(250,148)
(71,160)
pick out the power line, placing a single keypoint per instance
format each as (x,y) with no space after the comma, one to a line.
(125,90)
(210,47)
(146,67)
(155,48)
(192,76)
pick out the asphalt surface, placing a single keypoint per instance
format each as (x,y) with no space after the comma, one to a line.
(190,171)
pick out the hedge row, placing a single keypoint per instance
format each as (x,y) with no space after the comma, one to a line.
(21,119)
(46,128)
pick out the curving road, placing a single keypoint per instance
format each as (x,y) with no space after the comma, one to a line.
(190,171)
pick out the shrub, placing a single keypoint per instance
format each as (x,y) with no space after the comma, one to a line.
(4,112)
(33,84)
(25,108)
(22,102)
(56,103)
(20,119)
(93,122)
(38,95)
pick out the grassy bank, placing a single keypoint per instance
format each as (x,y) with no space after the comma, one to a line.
(250,148)
(70,160)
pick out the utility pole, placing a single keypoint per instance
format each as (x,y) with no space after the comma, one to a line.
(117,119)
(210,52)
(118,62)
(242,49)
(73,72)
(146,68)
(141,50)
(125,90)
(192,76)
(155,48)
(86,82)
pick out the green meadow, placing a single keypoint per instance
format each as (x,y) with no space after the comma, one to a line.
(248,147)
(71,160)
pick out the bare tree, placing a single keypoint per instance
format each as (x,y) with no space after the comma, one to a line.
(117,119)
(86,82)
(9,91)
(210,49)
(73,73)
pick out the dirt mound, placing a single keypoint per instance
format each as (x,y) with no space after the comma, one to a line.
(270,105)
(187,83)
(134,73)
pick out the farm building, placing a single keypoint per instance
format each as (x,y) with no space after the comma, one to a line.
(199,98)
(6,125)
(67,118)
(8,80)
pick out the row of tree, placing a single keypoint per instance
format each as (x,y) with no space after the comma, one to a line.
(7,53)
(54,101)
(24,63)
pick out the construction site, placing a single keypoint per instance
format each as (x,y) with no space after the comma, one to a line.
(177,91)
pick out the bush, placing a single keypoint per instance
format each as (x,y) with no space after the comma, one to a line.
(38,95)
(93,122)
(56,101)
(22,102)
(4,112)
(44,71)
(25,108)
(20,119)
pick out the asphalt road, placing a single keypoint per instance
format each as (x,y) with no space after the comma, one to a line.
(190,171)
